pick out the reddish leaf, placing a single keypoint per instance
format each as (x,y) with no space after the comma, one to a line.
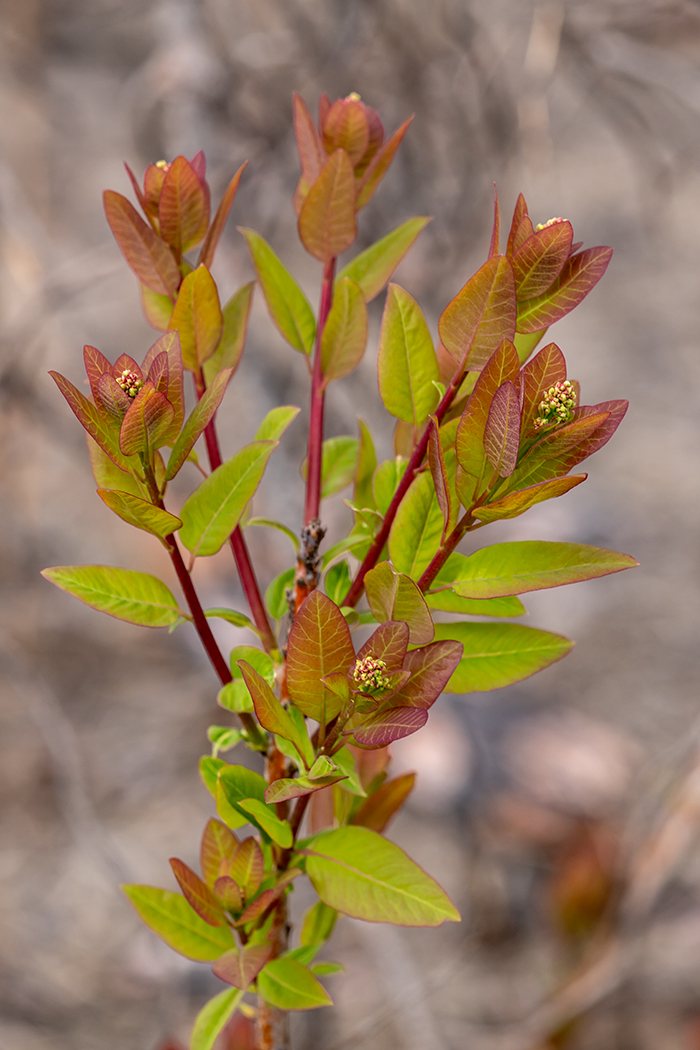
(327,220)
(90,418)
(389,643)
(111,400)
(169,343)
(312,155)
(616,413)
(247,867)
(540,260)
(218,843)
(379,166)
(200,417)
(268,897)
(546,368)
(319,644)
(502,430)
(394,596)
(431,668)
(346,127)
(199,165)
(494,247)
(579,276)
(557,454)
(516,237)
(137,190)
(206,255)
(271,715)
(481,315)
(518,502)
(394,723)
(380,807)
(502,367)
(240,968)
(153,179)
(147,255)
(198,894)
(288,788)
(438,469)
(183,208)
(146,423)
(197,317)
(96,364)
(158,373)
(228,892)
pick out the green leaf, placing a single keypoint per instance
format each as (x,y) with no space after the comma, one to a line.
(238,619)
(532,565)
(386,480)
(276,422)
(201,415)
(373,267)
(319,644)
(288,985)
(517,503)
(157,309)
(275,595)
(106,472)
(139,512)
(228,353)
(171,917)
(132,596)
(209,771)
(324,969)
(234,696)
(257,659)
(498,654)
(213,1018)
(270,712)
(197,318)
(345,332)
(337,581)
(366,465)
(289,788)
(359,873)
(338,464)
(345,761)
(394,596)
(417,529)
(407,361)
(279,830)
(288,306)
(270,523)
(234,784)
(448,601)
(212,512)
(481,315)
(318,924)
(327,219)
(223,738)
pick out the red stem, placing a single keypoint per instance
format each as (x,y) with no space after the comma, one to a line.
(459,531)
(416,460)
(239,547)
(315,447)
(200,621)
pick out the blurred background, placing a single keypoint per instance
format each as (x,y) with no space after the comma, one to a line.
(560,814)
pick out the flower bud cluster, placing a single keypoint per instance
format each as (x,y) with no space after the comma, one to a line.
(130,382)
(557,405)
(549,222)
(369,675)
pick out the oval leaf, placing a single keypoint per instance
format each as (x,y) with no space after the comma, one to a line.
(183,207)
(345,332)
(197,318)
(579,276)
(327,220)
(171,917)
(132,596)
(373,267)
(394,723)
(140,513)
(498,654)
(288,306)
(319,645)
(481,315)
(147,255)
(213,1018)
(288,985)
(407,363)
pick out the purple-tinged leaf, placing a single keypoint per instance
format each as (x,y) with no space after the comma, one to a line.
(394,596)
(228,893)
(218,843)
(148,256)
(111,400)
(240,968)
(537,376)
(90,418)
(319,644)
(146,423)
(327,220)
(502,430)
(96,365)
(312,155)
(208,250)
(388,643)
(247,867)
(521,228)
(502,367)
(518,502)
(579,276)
(200,417)
(388,725)
(431,668)
(443,489)
(268,897)
(379,165)
(169,343)
(346,127)
(288,788)
(539,261)
(494,247)
(158,373)
(481,315)
(559,452)
(198,894)
(183,207)
(376,812)
(139,194)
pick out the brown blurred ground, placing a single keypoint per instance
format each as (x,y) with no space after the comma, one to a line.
(592,108)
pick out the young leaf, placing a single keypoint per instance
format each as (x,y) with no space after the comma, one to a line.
(247,867)
(234,696)
(228,893)
(235,315)
(209,771)
(579,276)
(379,165)
(271,715)
(212,512)
(337,582)
(359,873)
(319,644)
(183,207)
(90,418)
(481,315)
(146,422)
(327,219)
(540,260)
(448,601)
(345,761)
(169,344)
(270,523)
(288,985)
(218,844)
(388,725)
(345,332)
(531,565)
(268,897)
(498,654)
(318,924)
(147,255)
(373,267)
(288,306)
(276,422)
(407,363)
(502,367)
(171,917)
(200,417)
(106,472)
(518,502)
(234,784)
(386,480)
(521,227)
(417,529)
(442,479)
(288,788)
(279,830)
(157,309)
(197,317)
(546,368)
(276,594)
(197,894)
(140,512)
(213,1018)
(502,430)
(384,803)
(208,250)
(312,155)
(240,968)
(394,596)
(127,595)
(431,668)
(223,738)
(366,465)
(338,464)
